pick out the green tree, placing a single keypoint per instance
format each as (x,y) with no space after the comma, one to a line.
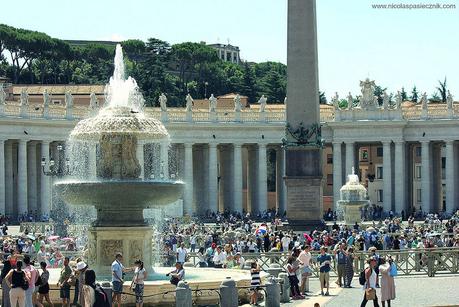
(378,92)
(435,97)
(322,98)
(403,94)
(414,94)
(249,86)
(443,90)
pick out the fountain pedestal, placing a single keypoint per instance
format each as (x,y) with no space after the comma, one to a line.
(133,242)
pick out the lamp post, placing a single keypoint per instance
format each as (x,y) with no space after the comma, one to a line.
(54,168)
(205,89)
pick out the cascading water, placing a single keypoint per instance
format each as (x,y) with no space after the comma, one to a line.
(119,163)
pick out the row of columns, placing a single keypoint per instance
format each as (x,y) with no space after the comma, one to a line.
(395,172)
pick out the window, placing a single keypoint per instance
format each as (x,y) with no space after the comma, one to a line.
(380,196)
(364,154)
(379,151)
(443,162)
(418,151)
(56,102)
(379,172)
(419,195)
(417,171)
(329,158)
(330,179)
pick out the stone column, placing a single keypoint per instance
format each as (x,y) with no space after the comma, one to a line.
(400,177)
(425,177)
(387,176)
(165,159)
(188,195)
(450,178)
(252,180)
(92,160)
(237,177)
(280,183)
(262,179)
(2,177)
(22,177)
(32,176)
(45,190)
(350,157)
(9,178)
(140,158)
(337,172)
(213,177)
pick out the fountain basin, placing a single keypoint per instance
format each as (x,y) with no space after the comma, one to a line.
(120,202)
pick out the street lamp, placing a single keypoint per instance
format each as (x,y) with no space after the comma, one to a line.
(205,89)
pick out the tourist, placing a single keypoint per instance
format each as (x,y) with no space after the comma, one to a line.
(18,282)
(324,261)
(81,270)
(118,272)
(140,274)
(387,280)
(340,256)
(182,253)
(5,288)
(255,282)
(372,250)
(201,258)
(89,289)
(293,279)
(349,268)
(193,243)
(219,258)
(32,272)
(210,252)
(43,289)
(306,271)
(41,254)
(239,261)
(177,275)
(370,283)
(63,283)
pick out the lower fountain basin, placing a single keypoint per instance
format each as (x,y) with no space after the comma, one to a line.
(119,202)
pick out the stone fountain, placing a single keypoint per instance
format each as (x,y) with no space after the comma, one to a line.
(116,188)
(353,197)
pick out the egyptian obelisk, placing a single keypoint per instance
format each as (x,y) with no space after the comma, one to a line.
(302,143)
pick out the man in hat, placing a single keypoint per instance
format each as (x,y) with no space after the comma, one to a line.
(80,272)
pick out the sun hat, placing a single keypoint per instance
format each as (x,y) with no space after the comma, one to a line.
(81,265)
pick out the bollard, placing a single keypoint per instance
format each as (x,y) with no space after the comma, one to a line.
(107,287)
(228,293)
(274,269)
(272,293)
(285,296)
(183,296)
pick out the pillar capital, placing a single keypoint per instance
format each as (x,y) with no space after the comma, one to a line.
(238,145)
(386,143)
(188,145)
(449,142)
(336,143)
(213,145)
(399,142)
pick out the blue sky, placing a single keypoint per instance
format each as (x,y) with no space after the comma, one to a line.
(395,47)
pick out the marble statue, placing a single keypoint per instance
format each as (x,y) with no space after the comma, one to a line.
(335,101)
(46,98)
(2,96)
(262,103)
(449,101)
(212,103)
(350,101)
(93,101)
(24,97)
(189,103)
(237,103)
(162,102)
(386,100)
(424,101)
(368,101)
(398,100)
(68,100)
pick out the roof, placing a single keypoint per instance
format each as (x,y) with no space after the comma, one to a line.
(231,96)
(59,89)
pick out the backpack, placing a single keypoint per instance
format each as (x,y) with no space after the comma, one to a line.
(362,278)
(101,297)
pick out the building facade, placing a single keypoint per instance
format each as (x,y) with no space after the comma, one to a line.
(407,156)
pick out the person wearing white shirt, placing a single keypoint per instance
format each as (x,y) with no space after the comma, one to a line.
(181,253)
(285,243)
(219,258)
(305,259)
(193,243)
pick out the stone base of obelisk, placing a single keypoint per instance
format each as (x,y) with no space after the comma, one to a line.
(304,187)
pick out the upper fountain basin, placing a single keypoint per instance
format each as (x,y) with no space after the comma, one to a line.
(119,120)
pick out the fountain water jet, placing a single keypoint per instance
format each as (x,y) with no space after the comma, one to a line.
(116,188)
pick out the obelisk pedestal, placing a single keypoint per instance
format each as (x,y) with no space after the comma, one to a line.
(303,143)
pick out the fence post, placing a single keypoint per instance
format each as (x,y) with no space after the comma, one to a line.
(285,296)
(272,293)
(183,295)
(274,269)
(107,287)
(430,264)
(228,293)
